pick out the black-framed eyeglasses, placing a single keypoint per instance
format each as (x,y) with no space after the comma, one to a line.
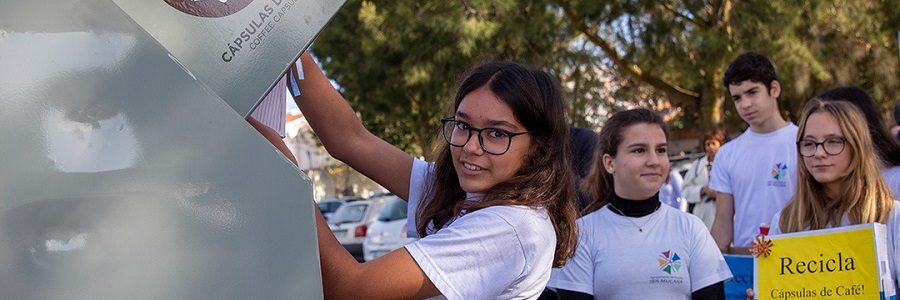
(492,140)
(832,146)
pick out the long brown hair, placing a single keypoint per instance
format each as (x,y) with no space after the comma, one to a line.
(599,183)
(545,180)
(865,197)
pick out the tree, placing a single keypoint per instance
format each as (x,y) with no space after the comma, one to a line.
(681,48)
(398,62)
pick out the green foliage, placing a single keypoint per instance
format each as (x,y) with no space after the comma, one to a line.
(681,48)
(398,62)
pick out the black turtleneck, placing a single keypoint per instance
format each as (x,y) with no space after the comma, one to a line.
(634,208)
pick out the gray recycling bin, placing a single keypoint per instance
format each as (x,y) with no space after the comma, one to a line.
(126,168)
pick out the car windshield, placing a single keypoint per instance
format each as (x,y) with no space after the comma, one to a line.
(393,210)
(329,206)
(349,213)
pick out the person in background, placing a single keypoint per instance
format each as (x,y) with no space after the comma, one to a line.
(627,237)
(895,130)
(696,181)
(753,175)
(584,140)
(886,147)
(670,191)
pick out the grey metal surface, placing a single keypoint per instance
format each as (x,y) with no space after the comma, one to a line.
(259,41)
(123,178)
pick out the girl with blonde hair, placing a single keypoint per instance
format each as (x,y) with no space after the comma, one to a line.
(839,181)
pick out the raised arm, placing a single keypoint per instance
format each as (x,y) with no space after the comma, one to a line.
(722,229)
(345,138)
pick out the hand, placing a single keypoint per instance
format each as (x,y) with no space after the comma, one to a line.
(750,294)
(705,191)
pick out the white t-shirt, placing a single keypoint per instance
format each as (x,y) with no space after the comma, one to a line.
(892,179)
(893,237)
(759,171)
(499,252)
(673,257)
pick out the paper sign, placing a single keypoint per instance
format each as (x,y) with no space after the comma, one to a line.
(839,263)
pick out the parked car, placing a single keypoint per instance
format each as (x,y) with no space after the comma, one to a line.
(683,162)
(351,221)
(388,231)
(329,206)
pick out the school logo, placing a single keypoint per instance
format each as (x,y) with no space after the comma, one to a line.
(209,8)
(779,172)
(669,262)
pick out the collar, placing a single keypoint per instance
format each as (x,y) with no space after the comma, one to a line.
(634,208)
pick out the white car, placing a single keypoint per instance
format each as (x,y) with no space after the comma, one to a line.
(388,232)
(351,221)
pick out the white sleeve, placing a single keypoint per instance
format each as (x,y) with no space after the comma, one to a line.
(418,177)
(894,256)
(892,179)
(774,227)
(707,263)
(477,257)
(577,274)
(894,244)
(677,183)
(692,183)
(720,178)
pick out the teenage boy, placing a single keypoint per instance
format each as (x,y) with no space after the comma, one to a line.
(753,174)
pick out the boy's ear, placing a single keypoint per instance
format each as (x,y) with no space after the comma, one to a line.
(775,89)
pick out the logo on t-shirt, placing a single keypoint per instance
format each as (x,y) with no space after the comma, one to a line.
(669,262)
(779,173)
(209,8)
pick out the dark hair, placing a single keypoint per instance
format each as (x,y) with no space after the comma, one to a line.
(751,66)
(897,112)
(599,183)
(714,135)
(584,142)
(885,144)
(545,180)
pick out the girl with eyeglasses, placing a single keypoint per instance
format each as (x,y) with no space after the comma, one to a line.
(495,211)
(839,181)
(631,246)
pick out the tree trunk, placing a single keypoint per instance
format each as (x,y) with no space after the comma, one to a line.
(712,100)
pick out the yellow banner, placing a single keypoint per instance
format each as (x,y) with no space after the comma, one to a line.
(840,263)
